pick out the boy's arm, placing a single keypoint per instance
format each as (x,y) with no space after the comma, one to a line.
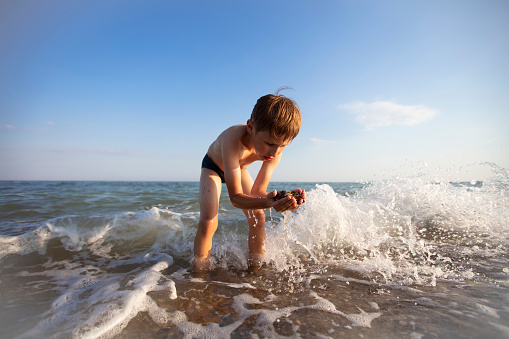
(232,173)
(264,175)
(262,182)
(233,178)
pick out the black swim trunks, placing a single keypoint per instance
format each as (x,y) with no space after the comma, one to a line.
(211,165)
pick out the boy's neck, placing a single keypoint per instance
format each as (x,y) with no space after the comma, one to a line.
(247,138)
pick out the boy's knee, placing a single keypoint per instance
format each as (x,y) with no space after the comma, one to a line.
(207,226)
(257,215)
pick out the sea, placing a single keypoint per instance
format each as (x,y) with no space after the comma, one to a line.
(405,257)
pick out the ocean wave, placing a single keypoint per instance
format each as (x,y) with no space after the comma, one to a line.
(407,230)
(91,275)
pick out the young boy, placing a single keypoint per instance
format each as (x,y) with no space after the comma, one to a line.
(274,123)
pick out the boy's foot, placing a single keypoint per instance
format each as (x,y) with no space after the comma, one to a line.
(255,262)
(200,265)
(251,268)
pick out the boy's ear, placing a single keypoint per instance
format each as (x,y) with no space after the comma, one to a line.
(250,126)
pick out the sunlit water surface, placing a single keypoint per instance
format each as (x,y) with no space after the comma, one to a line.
(400,258)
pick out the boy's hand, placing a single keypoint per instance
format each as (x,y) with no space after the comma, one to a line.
(303,197)
(287,203)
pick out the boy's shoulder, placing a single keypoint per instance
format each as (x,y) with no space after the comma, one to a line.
(235,132)
(230,138)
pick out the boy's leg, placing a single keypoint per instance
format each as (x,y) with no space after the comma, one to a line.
(210,190)
(256,221)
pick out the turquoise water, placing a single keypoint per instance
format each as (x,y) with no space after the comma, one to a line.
(404,257)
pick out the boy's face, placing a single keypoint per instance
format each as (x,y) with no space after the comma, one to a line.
(266,146)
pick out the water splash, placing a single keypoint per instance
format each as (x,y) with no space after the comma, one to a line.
(409,232)
(403,230)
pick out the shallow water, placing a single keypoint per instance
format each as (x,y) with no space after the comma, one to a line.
(404,258)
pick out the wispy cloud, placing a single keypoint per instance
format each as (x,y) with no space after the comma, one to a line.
(387,113)
(27,128)
(320,142)
(109,152)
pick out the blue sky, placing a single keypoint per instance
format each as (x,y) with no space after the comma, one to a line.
(137,90)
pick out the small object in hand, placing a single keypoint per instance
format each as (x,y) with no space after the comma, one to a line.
(296,195)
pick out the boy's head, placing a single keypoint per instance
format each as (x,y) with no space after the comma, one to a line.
(278,115)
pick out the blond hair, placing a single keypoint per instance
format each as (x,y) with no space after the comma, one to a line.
(278,115)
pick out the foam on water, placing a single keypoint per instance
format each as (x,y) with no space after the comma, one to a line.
(100,270)
(266,318)
(91,275)
(92,305)
(404,230)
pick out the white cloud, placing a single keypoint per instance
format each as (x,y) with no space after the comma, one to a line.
(9,127)
(50,123)
(387,113)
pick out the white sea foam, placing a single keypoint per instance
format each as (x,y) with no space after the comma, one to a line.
(404,233)
(24,244)
(92,304)
(266,318)
(93,301)
(399,229)
(487,310)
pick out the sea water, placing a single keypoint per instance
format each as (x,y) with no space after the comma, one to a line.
(406,257)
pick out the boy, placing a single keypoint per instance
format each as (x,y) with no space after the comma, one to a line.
(274,123)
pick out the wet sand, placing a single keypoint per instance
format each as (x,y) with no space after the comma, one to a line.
(337,305)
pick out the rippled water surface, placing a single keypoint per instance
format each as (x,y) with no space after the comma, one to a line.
(398,258)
